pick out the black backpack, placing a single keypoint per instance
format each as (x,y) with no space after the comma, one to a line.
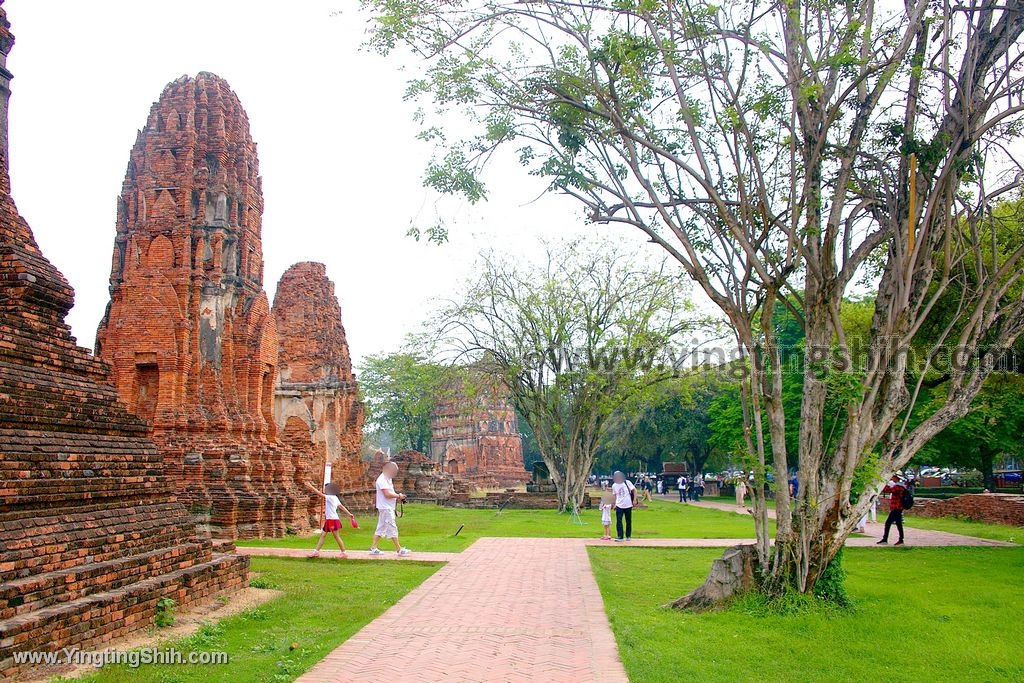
(906,499)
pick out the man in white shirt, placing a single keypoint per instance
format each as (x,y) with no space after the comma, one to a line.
(623,490)
(387,526)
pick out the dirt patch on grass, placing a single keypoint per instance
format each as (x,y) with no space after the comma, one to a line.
(186,622)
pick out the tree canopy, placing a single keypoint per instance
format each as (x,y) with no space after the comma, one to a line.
(781,154)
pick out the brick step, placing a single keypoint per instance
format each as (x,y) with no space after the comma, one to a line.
(65,585)
(75,538)
(101,617)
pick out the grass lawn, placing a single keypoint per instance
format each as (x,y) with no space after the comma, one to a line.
(966,527)
(944,614)
(428,527)
(323,604)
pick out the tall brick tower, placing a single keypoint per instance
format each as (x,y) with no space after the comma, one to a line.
(188,330)
(317,400)
(91,537)
(475,435)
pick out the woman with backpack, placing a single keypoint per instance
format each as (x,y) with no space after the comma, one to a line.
(900,499)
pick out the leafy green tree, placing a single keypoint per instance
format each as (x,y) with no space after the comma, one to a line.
(778,152)
(571,339)
(669,422)
(400,391)
(991,429)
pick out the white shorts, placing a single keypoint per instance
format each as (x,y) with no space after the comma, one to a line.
(386,525)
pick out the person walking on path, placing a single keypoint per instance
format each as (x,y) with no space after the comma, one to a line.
(332,522)
(625,498)
(895,489)
(387,497)
(681,485)
(741,490)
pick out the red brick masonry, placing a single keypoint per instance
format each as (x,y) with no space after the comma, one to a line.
(1000,508)
(189,330)
(90,534)
(316,402)
(476,437)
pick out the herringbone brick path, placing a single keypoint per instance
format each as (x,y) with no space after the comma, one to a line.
(504,610)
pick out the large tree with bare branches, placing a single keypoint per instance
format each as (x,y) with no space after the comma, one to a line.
(782,153)
(572,338)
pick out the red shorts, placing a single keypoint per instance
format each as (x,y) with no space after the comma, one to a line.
(332,525)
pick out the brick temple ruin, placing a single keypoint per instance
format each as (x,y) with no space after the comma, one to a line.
(188,330)
(316,403)
(476,437)
(419,477)
(90,534)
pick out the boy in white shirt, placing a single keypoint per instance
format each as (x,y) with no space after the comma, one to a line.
(387,526)
(332,522)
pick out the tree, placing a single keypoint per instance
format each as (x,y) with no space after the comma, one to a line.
(571,339)
(400,391)
(991,429)
(670,422)
(778,152)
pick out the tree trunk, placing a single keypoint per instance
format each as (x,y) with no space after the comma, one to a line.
(986,467)
(731,575)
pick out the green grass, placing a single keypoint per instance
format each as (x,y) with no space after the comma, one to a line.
(427,527)
(967,527)
(324,603)
(922,614)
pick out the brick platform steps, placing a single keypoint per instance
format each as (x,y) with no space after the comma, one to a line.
(103,616)
(66,585)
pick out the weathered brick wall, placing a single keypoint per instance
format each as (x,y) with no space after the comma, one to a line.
(91,536)
(418,477)
(1000,508)
(189,331)
(316,401)
(476,437)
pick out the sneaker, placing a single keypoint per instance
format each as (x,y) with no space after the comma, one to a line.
(376,551)
(883,542)
(342,555)
(899,542)
(617,540)
(403,552)
(314,554)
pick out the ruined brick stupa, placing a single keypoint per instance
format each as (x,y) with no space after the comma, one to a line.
(90,534)
(316,403)
(475,435)
(189,330)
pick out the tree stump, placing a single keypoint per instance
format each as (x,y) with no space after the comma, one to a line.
(731,574)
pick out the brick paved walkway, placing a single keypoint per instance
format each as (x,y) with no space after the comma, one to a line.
(503,610)
(509,609)
(912,536)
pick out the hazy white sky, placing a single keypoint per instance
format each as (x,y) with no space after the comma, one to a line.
(341,166)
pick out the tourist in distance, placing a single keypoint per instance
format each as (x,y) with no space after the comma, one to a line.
(895,488)
(332,522)
(681,485)
(387,498)
(741,490)
(625,499)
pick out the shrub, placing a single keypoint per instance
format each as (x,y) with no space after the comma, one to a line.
(164,612)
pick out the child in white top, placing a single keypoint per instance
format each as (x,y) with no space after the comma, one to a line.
(606,519)
(332,522)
